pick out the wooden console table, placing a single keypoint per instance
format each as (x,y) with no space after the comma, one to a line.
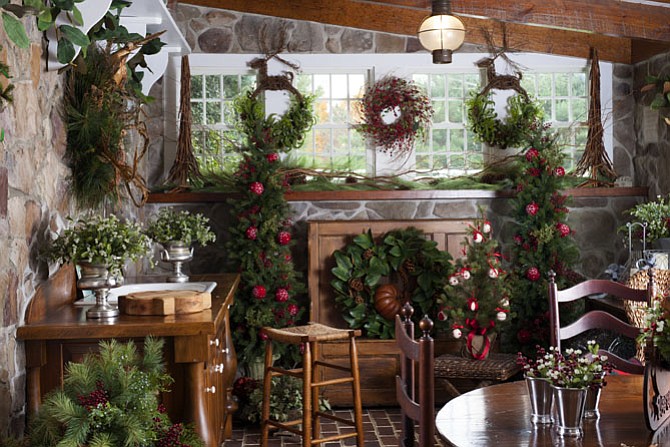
(199,352)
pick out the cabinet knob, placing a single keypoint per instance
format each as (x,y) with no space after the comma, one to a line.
(210,389)
(218,368)
(214,342)
(224,351)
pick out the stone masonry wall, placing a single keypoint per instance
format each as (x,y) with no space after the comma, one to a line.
(33,196)
(652,135)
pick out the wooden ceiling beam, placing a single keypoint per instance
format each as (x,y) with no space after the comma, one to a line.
(404,20)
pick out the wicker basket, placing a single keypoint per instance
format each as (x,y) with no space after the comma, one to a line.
(636,311)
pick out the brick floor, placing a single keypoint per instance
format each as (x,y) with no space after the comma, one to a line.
(381,427)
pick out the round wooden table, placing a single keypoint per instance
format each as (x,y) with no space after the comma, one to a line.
(499,416)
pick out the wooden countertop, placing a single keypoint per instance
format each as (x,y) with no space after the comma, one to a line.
(66,321)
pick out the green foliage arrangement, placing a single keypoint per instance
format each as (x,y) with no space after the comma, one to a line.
(542,242)
(656,329)
(100,240)
(403,257)
(260,240)
(476,299)
(513,131)
(656,214)
(111,400)
(46,13)
(172,225)
(660,88)
(102,104)
(411,107)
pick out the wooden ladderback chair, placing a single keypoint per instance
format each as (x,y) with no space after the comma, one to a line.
(415,386)
(597,319)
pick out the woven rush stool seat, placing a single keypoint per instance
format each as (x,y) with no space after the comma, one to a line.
(308,426)
(497,367)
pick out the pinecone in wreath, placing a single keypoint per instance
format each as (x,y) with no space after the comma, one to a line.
(409,265)
(356,284)
(368,254)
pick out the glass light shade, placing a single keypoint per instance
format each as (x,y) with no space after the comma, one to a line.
(441,34)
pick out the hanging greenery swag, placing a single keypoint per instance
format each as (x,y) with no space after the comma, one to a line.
(401,265)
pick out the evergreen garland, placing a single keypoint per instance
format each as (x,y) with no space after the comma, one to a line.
(260,244)
(110,399)
(542,241)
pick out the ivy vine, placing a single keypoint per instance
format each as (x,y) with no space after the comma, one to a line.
(403,257)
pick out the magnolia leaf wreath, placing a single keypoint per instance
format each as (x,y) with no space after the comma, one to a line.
(405,102)
(368,265)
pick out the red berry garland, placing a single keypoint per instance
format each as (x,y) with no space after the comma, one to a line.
(391,94)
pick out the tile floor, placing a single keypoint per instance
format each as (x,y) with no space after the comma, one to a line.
(381,425)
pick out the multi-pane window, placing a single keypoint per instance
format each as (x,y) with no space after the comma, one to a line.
(339,81)
(332,143)
(212,118)
(449,149)
(563,96)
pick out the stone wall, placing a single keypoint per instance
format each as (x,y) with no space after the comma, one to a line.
(594,219)
(33,196)
(652,134)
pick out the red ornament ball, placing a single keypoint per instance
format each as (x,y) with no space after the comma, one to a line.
(259,292)
(251,233)
(257,188)
(559,171)
(284,237)
(273,157)
(281,295)
(531,154)
(563,229)
(532,208)
(533,274)
(293,309)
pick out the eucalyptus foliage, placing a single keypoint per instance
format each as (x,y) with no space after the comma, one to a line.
(172,225)
(100,240)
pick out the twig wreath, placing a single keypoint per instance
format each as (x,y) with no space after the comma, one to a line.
(522,111)
(409,105)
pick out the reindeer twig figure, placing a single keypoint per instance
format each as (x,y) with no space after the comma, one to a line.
(497,81)
(264,81)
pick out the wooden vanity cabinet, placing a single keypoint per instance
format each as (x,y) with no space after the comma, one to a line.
(199,352)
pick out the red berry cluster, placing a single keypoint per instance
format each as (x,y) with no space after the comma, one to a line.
(95,399)
(171,437)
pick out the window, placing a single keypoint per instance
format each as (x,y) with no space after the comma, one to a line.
(338,81)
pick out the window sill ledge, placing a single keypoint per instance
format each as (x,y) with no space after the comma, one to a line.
(314,196)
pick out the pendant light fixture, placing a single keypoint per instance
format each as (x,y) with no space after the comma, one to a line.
(441,33)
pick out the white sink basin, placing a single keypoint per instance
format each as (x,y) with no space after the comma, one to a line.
(115,293)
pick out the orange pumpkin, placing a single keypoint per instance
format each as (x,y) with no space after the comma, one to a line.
(386,301)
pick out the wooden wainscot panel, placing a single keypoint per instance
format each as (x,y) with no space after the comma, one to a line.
(378,359)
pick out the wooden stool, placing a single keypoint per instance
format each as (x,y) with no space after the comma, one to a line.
(310,336)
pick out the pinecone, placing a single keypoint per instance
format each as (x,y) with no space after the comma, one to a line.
(356,284)
(409,266)
(359,299)
(368,254)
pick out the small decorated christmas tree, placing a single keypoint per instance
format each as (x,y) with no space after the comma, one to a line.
(476,301)
(261,240)
(542,242)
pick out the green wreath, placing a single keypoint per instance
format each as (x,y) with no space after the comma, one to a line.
(284,132)
(513,131)
(401,257)
(391,94)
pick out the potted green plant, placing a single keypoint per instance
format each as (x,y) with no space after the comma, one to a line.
(177,231)
(656,214)
(101,241)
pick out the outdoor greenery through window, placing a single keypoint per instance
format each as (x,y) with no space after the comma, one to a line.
(339,81)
